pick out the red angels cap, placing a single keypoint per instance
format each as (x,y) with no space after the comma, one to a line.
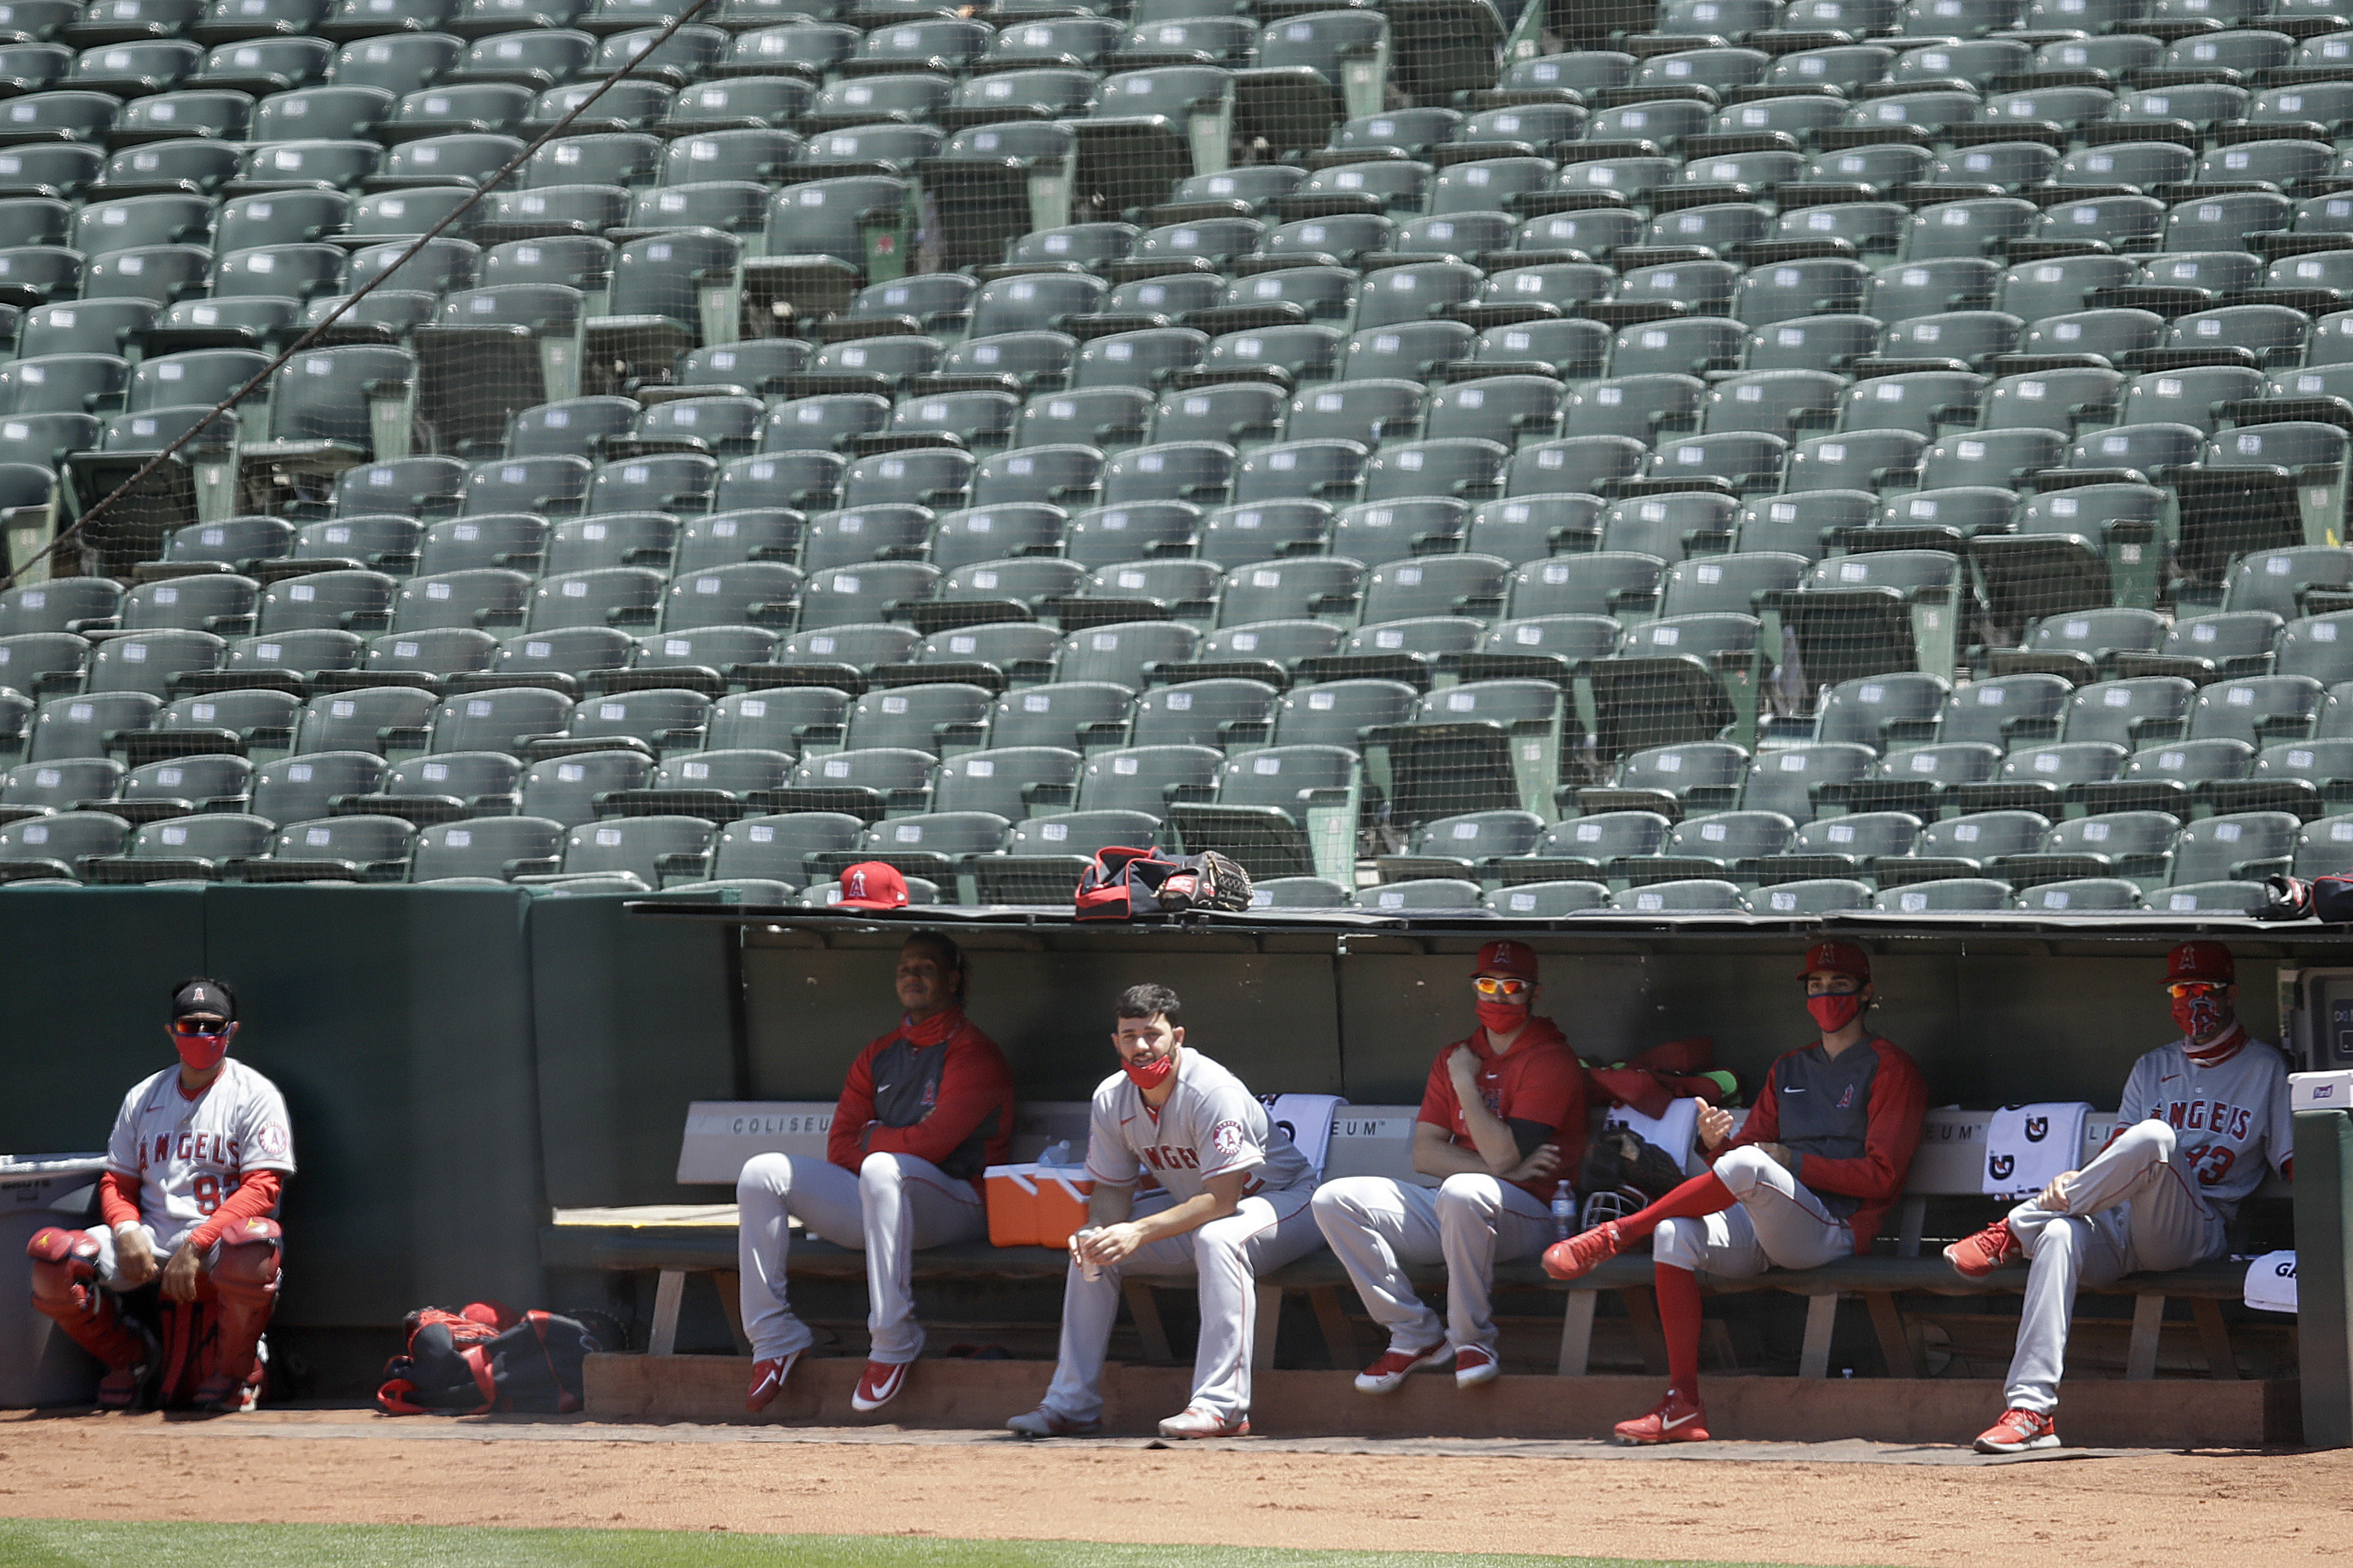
(2208,961)
(872,885)
(1838,958)
(1508,958)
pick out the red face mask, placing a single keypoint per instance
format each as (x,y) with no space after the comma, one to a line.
(202,1053)
(1149,1075)
(2198,1016)
(1835,1013)
(1501,1018)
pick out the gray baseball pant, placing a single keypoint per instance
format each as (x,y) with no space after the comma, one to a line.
(1266,1231)
(895,1203)
(2131,1209)
(1378,1225)
(1778,1220)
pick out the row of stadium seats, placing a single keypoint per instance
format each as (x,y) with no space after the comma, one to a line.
(952,719)
(1477,587)
(1666,526)
(2217,864)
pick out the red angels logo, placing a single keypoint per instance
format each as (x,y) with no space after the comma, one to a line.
(272,1140)
(858,884)
(1226,1138)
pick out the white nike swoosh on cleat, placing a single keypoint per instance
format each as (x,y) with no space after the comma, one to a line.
(1678,1421)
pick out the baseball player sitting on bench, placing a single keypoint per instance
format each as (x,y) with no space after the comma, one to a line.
(2213,1113)
(1233,1201)
(1503,1113)
(926,1107)
(193,1173)
(1823,1154)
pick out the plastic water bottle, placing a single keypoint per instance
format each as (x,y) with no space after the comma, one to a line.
(1564,1212)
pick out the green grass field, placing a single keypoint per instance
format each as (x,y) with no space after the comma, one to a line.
(47,1544)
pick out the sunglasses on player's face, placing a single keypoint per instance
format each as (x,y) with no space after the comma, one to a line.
(202,1029)
(1500,986)
(2194,990)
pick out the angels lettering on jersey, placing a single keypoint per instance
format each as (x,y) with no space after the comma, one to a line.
(1226,1140)
(2230,1120)
(188,1154)
(2229,1127)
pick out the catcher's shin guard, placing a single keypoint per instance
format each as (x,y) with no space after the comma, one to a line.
(66,1290)
(244,1280)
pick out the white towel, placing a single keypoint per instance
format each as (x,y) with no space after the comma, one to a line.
(1673,1132)
(2271,1282)
(1308,1119)
(2028,1147)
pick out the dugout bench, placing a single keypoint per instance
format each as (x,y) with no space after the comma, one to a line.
(676,1240)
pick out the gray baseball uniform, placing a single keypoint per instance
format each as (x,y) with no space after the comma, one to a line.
(2193,1142)
(1211,1125)
(1378,1226)
(892,1204)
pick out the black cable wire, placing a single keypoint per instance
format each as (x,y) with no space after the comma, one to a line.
(261,377)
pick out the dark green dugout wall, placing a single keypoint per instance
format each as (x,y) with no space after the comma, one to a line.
(455,1061)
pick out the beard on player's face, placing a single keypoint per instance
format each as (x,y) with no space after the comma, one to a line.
(1146,1040)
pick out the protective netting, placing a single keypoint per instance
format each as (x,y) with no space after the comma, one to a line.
(1741,456)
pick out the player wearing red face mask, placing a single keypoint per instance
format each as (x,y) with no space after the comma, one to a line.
(1231,1205)
(1823,1154)
(194,1170)
(2201,1121)
(1503,1119)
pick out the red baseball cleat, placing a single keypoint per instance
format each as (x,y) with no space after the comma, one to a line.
(767,1381)
(1582,1254)
(879,1385)
(1678,1419)
(1975,1257)
(1387,1375)
(2017,1431)
(1476,1364)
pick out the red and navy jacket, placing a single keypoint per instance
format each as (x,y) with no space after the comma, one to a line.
(949,1103)
(1852,1120)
